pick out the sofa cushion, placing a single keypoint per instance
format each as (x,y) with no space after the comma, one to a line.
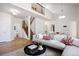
(59,37)
(47,37)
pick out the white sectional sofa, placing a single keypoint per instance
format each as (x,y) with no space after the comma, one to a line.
(51,43)
(55,42)
(67,50)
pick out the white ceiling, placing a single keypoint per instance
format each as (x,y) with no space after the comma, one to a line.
(5,7)
(70,9)
(58,6)
(66,4)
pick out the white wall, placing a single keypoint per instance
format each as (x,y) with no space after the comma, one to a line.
(77,20)
(7,23)
(33,26)
(73,28)
(49,14)
(23,5)
(17,22)
(78,27)
(5,27)
(71,12)
(59,25)
(40,25)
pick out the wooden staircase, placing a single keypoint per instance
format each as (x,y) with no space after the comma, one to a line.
(25,27)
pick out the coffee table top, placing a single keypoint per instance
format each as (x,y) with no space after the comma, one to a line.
(35,50)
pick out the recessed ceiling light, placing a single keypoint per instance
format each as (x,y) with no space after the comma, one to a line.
(14,11)
(62,17)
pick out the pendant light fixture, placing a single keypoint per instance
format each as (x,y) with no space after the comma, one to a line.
(62,16)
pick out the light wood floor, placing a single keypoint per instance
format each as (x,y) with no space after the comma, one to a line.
(13,45)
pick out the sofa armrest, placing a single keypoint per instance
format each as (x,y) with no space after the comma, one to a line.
(76,42)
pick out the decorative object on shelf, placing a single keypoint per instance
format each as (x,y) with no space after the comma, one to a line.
(38,8)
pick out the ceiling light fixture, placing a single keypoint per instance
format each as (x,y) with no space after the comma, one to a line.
(14,11)
(62,16)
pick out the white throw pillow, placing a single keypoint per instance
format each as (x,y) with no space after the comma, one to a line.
(39,36)
(75,41)
(59,37)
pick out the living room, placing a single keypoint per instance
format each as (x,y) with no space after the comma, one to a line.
(61,18)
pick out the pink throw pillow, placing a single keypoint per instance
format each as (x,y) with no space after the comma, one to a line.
(47,37)
(67,41)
